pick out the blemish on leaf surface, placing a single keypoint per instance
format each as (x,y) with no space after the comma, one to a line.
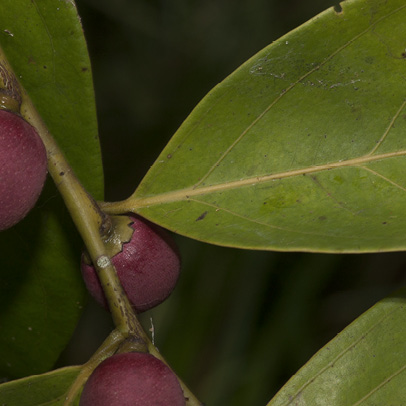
(202,216)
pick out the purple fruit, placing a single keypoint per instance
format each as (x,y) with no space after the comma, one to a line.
(132,379)
(148,267)
(23,168)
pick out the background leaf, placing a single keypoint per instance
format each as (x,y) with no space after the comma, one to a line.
(41,292)
(301,148)
(365,364)
(39,390)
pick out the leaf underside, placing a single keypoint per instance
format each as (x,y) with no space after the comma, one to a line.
(364,365)
(302,148)
(39,390)
(41,291)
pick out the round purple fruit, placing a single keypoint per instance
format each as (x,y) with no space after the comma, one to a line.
(23,168)
(132,379)
(147,266)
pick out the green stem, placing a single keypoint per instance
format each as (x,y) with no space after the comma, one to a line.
(92,224)
(89,220)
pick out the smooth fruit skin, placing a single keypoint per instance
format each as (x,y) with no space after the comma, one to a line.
(23,168)
(132,379)
(148,267)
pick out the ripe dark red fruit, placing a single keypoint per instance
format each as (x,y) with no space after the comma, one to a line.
(23,168)
(132,379)
(148,267)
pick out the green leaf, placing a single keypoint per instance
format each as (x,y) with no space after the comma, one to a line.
(301,148)
(41,291)
(39,390)
(364,365)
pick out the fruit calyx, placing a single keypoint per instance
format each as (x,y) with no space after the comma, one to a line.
(116,232)
(10,91)
(148,266)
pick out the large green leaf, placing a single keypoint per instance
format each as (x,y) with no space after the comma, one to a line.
(39,390)
(41,292)
(364,365)
(301,148)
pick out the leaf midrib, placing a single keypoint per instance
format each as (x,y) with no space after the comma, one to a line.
(137,201)
(186,193)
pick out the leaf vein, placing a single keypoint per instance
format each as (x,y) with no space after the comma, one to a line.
(384,178)
(233,213)
(390,126)
(285,91)
(330,195)
(381,385)
(339,356)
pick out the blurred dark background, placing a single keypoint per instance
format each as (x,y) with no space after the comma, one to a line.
(240,323)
